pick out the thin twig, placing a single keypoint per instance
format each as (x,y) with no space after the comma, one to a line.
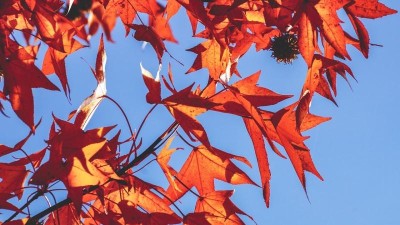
(122,111)
(23,207)
(138,132)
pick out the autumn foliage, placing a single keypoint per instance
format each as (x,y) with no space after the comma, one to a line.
(99,177)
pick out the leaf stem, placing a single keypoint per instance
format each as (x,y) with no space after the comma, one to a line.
(184,140)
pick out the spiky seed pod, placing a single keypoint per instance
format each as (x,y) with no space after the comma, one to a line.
(285,48)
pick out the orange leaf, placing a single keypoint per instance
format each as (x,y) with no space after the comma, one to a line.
(206,165)
(211,55)
(323,15)
(160,24)
(105,168)
(18,84)
(218,204)
(189,124)
(311,121)
(262,158)
(316,82)
(35,158)
(163,158)
(172,8)
(145,33)
(105,18)
(132,215)
(291,139)
(361,32)
(43,17)
(104,213)
(306,39)
(12,179)
(303,108)
(228,102)
(74,160)
(203,218)
(258,96)
(140,194)
(54,60)
(80,172)
(66,214)
(371,9)
(127,9)
(184,107)
(195,8)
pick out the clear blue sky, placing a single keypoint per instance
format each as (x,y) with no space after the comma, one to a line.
(357,152)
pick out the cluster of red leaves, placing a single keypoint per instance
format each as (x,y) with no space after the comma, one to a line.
(100,180)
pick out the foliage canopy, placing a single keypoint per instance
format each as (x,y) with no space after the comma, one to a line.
(98,169)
